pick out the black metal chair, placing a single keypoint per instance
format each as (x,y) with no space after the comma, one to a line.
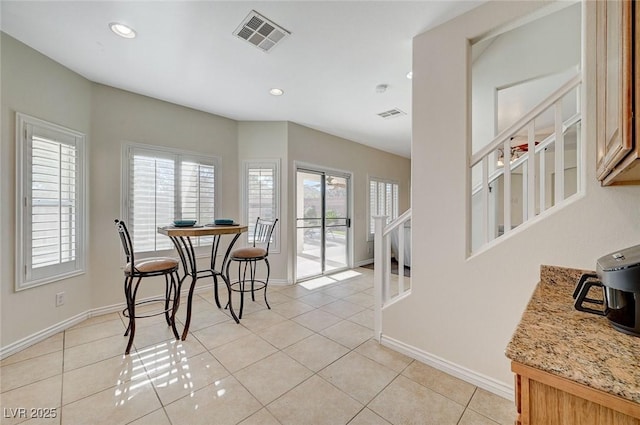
(135,270)
(249,257)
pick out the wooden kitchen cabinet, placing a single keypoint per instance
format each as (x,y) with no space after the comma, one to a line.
(617,91)
(546,399)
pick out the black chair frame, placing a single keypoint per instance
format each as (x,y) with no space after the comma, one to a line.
(262,234)
(132,274)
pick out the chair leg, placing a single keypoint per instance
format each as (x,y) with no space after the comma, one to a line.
(127,286)
(266,282)
(132,314)
(241,286)
(175,286)
(215,290)
(167,298)
(252,268)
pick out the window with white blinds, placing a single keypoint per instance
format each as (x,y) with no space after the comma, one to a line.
(261,194)
(50,201)
(383,200)
(161,185)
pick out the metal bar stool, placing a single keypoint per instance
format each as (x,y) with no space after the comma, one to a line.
(248,258)
(148,267)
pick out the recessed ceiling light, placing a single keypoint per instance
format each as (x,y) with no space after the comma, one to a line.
(410,74)
(122,30)
(276,92)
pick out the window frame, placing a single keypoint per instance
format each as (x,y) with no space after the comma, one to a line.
(370,215)
(262,163)
(178,156)
(25,279)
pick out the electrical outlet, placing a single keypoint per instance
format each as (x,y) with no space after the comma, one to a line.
(59,299)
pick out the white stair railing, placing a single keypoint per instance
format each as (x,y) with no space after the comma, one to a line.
(384,293)
(495,161)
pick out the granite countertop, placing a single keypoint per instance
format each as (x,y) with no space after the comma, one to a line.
(554,337)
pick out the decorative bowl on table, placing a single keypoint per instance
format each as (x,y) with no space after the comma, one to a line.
(184,223)
(224,222)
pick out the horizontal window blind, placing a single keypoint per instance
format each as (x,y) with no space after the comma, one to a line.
(166,185)
(261,195)
(152,199)
(53,202)
(51,212)
(383,200)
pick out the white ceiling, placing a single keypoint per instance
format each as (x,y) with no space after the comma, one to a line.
(185,53)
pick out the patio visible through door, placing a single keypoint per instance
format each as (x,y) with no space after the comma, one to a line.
(322,222)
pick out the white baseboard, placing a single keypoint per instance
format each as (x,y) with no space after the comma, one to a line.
(364,262)
(72,321)
(479,380)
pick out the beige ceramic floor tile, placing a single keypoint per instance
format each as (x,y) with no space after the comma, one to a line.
(48,346)
(362,299)
(316,352)
(220,334)
(221,403)
(176,376)
(315,401)
(348,333)
(262,417)
(175,348)
(159,417)
(44,421)
(440,382)
(242,352)
(358,376)
(317,320)
(74,337)
(94,351)
(152,335)
(96,377)
(97,319)
(342,308)
(261,319)
(295,291)
(32,370)
(339,291)
(367,417)
(284,334)
(115,406)
(273,376)
(44,394)
(317,299)
(364,318)
(383,355)
(493,407)
(406,402)
(472,418)
(203,317)
(292,308)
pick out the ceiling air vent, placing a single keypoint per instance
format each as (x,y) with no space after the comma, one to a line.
(392,113)
(260,31)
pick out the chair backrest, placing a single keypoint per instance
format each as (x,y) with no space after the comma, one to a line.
(263,231)
(125,238)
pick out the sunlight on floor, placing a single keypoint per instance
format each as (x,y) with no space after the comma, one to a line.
(319,282)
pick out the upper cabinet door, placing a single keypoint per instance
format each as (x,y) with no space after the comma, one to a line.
(615,85)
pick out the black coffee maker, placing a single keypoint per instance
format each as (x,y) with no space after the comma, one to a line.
(618,274)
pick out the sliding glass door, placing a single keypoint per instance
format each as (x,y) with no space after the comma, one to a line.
(322,222)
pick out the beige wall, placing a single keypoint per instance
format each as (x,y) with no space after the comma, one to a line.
(324,150)
(34,85)
(464,309)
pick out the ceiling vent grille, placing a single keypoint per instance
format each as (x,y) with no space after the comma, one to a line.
(392,113)
(260,31)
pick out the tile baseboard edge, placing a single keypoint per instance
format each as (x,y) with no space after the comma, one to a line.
(43,334)
(479,380)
